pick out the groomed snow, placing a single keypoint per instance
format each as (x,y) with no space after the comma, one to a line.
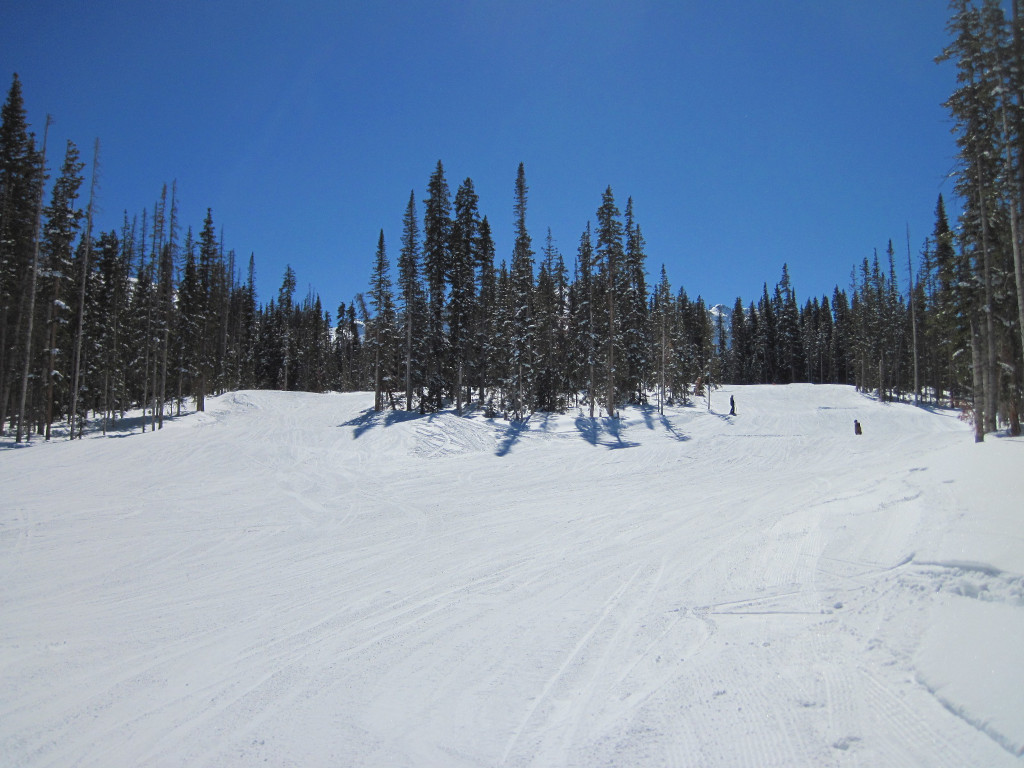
(289,579)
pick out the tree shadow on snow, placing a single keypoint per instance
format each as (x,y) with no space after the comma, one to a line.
(370,418)
(603,432)
(511,437)
(670,428)
(127,426)
(647,411)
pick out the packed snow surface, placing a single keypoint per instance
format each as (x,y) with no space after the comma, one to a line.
(293,580)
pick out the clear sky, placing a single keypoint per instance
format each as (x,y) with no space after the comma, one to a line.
(749,133)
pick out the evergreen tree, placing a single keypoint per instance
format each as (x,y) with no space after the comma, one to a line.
(742,351)
(20,185)
(549,338)
(62,221)
(381,333)
(634,316)
(584,331)
(412,302)
(437,227)
(462,277)
(609,255)
(486,320)
(284,329)
(988,76)
(521,328)
(661,314)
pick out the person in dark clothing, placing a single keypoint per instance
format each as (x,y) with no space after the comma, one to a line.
(856,427)
(732,406)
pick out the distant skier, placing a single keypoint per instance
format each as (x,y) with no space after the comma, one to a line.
(856,427)
(732,406)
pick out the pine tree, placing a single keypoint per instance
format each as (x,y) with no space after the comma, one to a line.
(609,255)
(62,222)
(207,272)
(84,272)
(634,299)
(661,313)
(462,277)
(521,329)
(412,302)
(381,334)
(186,343)
(986,70)
(20,186)
(548,332)
(486,318)
(437,227)
(789,346)
(33,273)
(741,346)
(285,329)
(584,321)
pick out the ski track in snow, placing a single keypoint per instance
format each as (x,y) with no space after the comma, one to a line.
(293,579)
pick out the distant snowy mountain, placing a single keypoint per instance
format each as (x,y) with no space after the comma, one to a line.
(294,579)
(721,310)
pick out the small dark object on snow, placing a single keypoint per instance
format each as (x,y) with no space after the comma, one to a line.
(732,406)
(856,427)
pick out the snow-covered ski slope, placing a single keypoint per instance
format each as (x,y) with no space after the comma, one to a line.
(289,579)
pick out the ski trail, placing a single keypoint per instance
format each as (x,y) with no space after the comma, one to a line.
(609,605)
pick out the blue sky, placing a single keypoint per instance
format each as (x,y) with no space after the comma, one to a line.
(749,133)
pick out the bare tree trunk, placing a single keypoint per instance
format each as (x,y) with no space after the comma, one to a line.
(881,378)
(1014,205)
(611,336)
(32,293)
(991,372)
(1017,199)
(664,348)
(145,364)
(4,388)
(979,386)
(378,402)
(168,304)
(913,320)
(51,356)
(520,398)
(458,391)
(408,362)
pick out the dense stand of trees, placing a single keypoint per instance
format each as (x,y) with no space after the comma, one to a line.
(981,280)
(95,323)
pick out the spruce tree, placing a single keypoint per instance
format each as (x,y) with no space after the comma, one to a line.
(412,303)
(436,261)
(462,299)
(20,182)
(381,333)
(486,319)
(63,218)
(521,329)
(609,256)
(634,320)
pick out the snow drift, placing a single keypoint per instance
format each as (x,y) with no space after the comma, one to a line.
(293,579)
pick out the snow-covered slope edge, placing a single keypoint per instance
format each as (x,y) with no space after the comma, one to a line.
(292,579)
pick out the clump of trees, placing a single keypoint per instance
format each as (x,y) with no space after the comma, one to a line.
(981,281)
(144,316)
(139,317)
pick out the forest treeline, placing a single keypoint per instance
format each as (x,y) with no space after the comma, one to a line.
(152,314)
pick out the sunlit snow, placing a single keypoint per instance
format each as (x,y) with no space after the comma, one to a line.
(291,579)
